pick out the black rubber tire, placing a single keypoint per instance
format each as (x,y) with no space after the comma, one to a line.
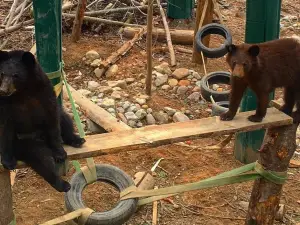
(219,108)
(213,28)
(111,175)
(212,78)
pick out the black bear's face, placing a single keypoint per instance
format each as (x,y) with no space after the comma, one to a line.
(15,71)
(241,58)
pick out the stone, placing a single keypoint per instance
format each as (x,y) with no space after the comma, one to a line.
(208,110)
(172,82)
(139,124)
(94,99)
(111,110)
(131,116)
(174,90)
(112,71)
(130,80)
(145,106)
(93,127)
(98,72)
(93,85)
(141,101)
(160,79)
(132,123)
(184,83)
(196,89)
(107,103)
(117,89)
(170,111)
(180,73)
(166,87)
(195,96)
(163,68)
(105,89)
(182,90)
(198,83)
(197,75)
(141,114)
(132,108)
(126,105)
(180,117)
(96,63)
(92,55)
(149,110)
(190,77)
(161,117)
(119,83)
(116,95)
(147,97)
(85,93)
(120,110)
(215,87)
(150,119)
(122,117)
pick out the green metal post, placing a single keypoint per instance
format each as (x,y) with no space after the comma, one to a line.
(48,35)
(180,9)
(47,17)
(262,24)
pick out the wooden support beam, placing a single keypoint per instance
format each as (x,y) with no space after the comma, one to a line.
(204,15)
(149,48)
(183,37)
(6,207)
(76,31)
(152,136)
(278,148)
(96,113)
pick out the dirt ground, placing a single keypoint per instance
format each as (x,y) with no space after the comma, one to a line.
(36,202)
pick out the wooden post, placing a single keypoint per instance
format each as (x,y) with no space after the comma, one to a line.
(78,20)
(279,147)
(149,48)
(6,206)
(206,7)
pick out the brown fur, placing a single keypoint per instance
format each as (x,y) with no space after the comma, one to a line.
(264,67)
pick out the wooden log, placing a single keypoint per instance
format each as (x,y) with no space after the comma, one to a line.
(115,56)
(204,16)
(149,48)
(6,207)
(183,37)
(16,27)
(96,113)
(76,31)
(278,148)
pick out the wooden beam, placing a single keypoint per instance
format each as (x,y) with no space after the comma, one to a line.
(183,37)
(152,136)
(6,207)
(204,16)
(96,113)
(156,135)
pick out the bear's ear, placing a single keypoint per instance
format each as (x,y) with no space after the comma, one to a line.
(28,59)
(253,50)
(3,55)
(231,48)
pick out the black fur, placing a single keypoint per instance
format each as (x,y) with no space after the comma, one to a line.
(31,120)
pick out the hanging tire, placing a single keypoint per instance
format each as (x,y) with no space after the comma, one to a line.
(213,28)
(111,175)
(219,108)
(213,78)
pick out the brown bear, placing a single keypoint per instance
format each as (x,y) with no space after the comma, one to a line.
(264,67)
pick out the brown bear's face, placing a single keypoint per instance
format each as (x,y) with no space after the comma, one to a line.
(240,58)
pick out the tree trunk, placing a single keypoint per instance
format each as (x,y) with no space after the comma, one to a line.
(78,20)
(278,148)
(6,206)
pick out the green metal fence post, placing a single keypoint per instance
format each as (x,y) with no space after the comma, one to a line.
(262,24)
(47,17)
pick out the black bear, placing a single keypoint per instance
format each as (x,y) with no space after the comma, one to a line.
(264,67)
(33,127)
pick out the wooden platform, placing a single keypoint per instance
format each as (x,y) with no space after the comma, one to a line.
(152,136)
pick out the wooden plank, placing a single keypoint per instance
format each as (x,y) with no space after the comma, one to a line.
(96,113)
(152,136)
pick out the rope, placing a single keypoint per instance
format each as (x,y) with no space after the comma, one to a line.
(13,222)
(238,175)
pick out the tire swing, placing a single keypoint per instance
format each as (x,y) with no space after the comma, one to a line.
(103,173)
(218,76)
